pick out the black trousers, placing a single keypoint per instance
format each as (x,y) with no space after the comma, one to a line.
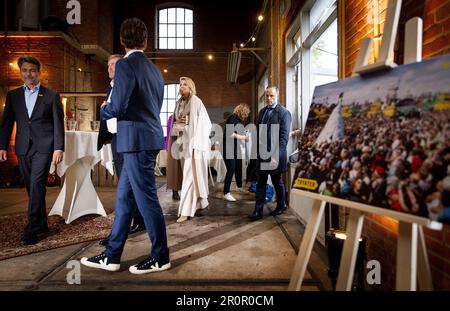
(234,167)
(261,185)
(118,163)
(34,168)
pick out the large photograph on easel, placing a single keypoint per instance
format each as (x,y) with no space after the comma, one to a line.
(382,140)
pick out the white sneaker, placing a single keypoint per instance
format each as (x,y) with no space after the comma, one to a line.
(150,265)
(101,262)
(243,190)
(229,197)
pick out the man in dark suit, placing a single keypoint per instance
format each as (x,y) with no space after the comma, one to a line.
(104,136)
(39,116)
(136,103)
(273,123)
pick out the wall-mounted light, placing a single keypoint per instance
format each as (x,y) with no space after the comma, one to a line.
(253,39)
(260,18)
(11,64)
(80,70)
(241,45)
(210,56)
(165,70)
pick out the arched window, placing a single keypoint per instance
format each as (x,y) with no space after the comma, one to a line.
(175,29)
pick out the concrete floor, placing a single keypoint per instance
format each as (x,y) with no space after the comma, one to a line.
(220,250)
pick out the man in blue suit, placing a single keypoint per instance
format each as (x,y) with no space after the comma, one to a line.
(136,103)
(273,123)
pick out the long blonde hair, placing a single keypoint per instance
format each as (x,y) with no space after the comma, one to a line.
(191,85)
(242,111)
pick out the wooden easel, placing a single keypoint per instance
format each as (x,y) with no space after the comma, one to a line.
(412,259)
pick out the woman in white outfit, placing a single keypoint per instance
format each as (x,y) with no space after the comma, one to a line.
(192,126)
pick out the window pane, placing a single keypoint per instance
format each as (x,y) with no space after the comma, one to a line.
(171,43)
(175,29)
(171,18)
(165,91)
(171,31)
(165,131)
(324,58)
(164,106)
(180,43)
(171,106)
(163,16)
(188,30)
(180,16)
(163,43)
(163,30)
(180,31)
(173,90)
(188,43)
(188,16)
(163,117)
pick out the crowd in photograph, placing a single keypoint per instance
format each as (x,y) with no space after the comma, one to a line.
(398,163)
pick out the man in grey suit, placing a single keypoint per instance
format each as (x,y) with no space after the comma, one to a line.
(39,116)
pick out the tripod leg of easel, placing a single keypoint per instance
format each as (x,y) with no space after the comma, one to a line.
(406,256)
(306,246)
(350,251)
(423,266)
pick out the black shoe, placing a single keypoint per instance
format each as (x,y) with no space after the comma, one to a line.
(136,227)
(255,216)
(101,262)
(29,239)
(43,230)
(175,195)
(278,211)
(150,264)
(105,241)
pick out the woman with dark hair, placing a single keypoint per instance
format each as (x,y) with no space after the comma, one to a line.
(232,150)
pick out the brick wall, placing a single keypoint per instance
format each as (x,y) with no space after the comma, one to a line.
(210,79)
(382,231)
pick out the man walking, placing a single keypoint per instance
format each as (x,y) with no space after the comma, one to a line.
(39,116)
(273,123)
(136,103)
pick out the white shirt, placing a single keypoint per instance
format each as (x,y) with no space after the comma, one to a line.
(111,124)
(131,52)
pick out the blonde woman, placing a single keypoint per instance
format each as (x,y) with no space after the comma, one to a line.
(232,150)
(191,145)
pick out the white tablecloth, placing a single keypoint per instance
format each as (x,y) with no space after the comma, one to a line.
(216,161)
(161,161)
(78,196)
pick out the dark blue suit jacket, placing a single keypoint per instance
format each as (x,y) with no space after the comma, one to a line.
(45,126)
(136,103)
(103,135)
(282,117)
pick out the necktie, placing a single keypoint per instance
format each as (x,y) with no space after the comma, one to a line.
(266,116)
